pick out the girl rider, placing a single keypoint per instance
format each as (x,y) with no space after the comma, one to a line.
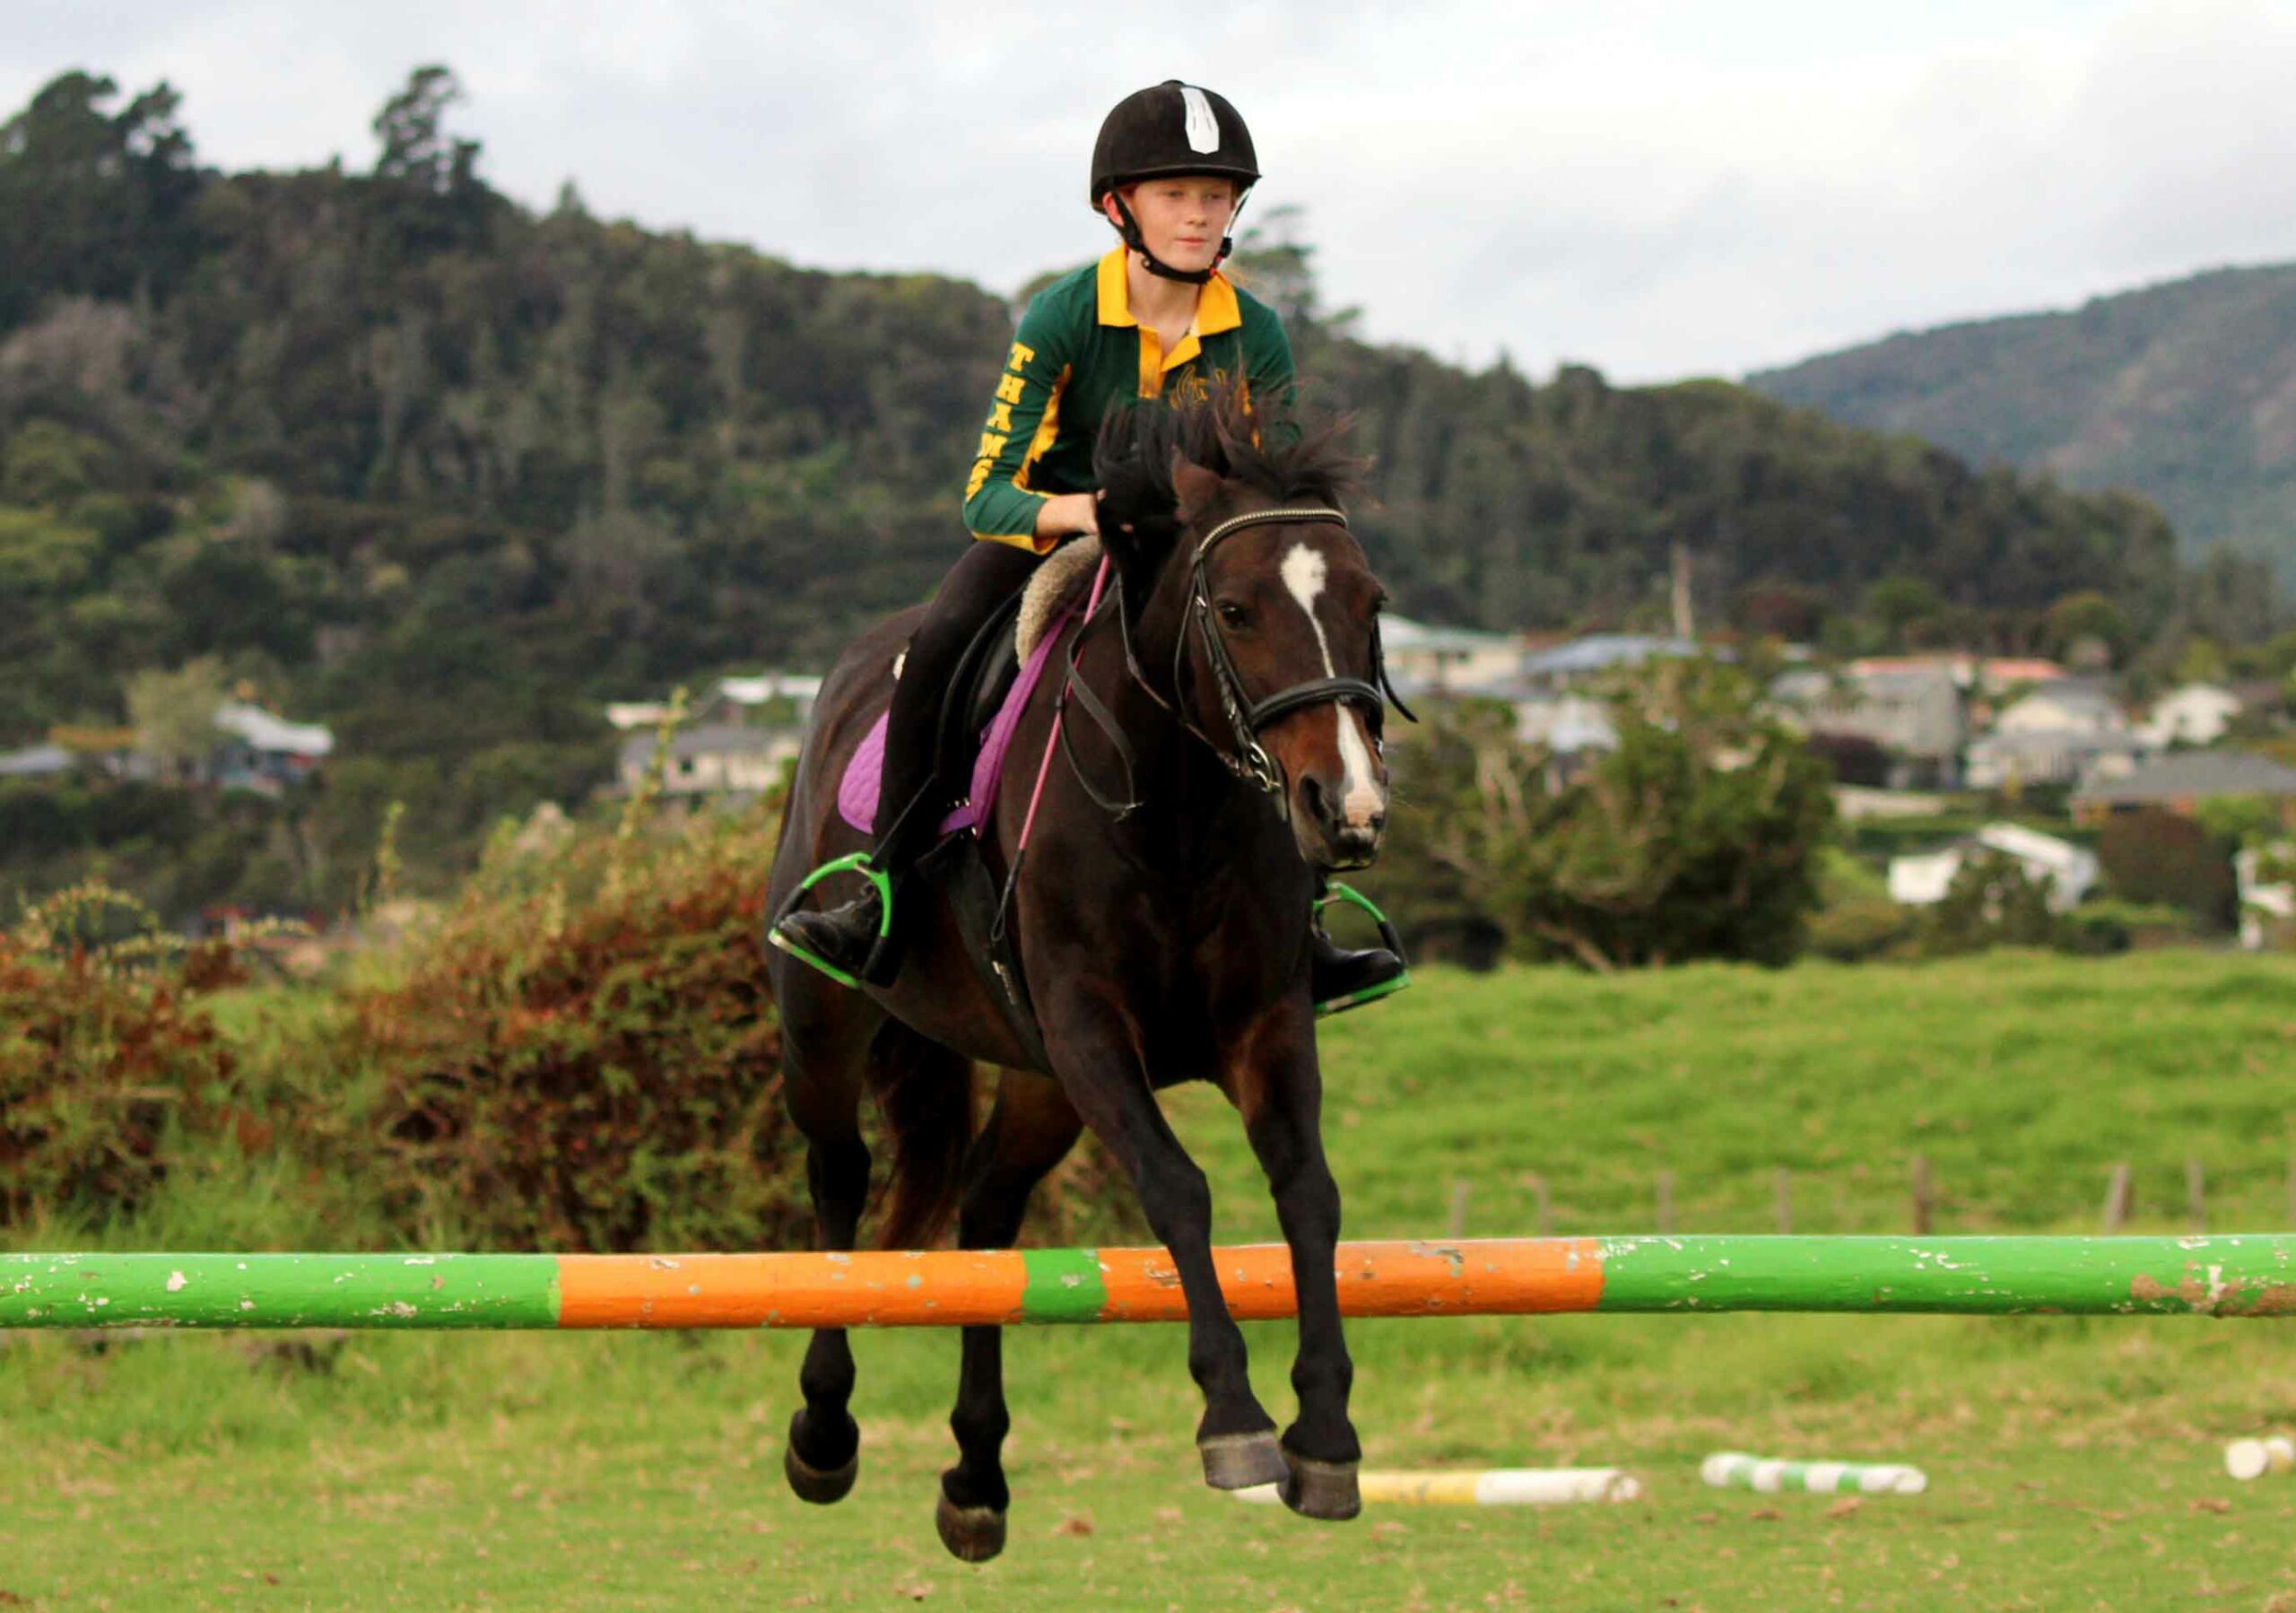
(1170,169)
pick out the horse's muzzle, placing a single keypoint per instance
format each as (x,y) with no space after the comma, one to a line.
(1334,833)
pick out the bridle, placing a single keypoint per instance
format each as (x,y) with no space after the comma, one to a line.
(1243,756)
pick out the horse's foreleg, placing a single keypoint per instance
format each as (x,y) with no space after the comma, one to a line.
(1093,1053)
(1281,1100)
(824,1452)
(1028,1131)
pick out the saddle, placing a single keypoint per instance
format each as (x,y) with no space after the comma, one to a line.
(999,670)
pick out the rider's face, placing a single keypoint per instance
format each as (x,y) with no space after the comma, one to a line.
(1183,219)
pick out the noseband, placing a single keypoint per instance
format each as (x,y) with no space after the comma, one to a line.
(1244,756)
(1249,759)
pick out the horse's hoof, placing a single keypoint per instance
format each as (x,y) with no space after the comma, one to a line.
(820,1485)
(1320,1489)
(1237,1461)
(973,1534)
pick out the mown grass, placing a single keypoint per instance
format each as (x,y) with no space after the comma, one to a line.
(2074,1463)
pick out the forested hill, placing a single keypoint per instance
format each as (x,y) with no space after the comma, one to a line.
(446,474)
(2185,392)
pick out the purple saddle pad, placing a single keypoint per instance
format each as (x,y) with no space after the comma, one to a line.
(857,792)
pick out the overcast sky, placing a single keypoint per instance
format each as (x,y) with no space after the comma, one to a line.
(1659,189)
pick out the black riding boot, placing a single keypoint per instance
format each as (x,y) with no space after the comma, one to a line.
(858,940)
(1339,980)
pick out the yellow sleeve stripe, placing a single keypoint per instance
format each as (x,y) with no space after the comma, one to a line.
(1048,431)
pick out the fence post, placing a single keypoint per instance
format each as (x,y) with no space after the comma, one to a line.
(1546,1208)
(2196,1194)
(1459,1207)
(1924,1204)
(2119,1193)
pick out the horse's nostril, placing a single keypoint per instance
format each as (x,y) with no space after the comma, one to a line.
(1312,793)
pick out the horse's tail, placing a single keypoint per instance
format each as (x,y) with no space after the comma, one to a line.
(925,1094)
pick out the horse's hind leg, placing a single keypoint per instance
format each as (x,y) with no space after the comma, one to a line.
(1028,1131)
(824,1041)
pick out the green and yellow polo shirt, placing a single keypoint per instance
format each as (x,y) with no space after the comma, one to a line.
(1080,351)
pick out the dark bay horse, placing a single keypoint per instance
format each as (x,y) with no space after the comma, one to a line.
(1235,664)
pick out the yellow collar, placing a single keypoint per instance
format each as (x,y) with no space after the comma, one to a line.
(1216,308)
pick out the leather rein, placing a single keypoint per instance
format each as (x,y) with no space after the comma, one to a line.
(1245,717)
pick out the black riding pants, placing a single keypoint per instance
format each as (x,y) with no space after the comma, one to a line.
(983,579)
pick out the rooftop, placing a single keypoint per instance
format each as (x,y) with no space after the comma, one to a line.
(265,732)
(1598,652)
(2197,775)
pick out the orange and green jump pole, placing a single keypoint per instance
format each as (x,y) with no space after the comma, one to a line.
(2243,1275)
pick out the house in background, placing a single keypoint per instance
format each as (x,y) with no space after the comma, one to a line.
(2070,731)
(1977,676)
(1446,660)
(2195,714)
(254,750)
(1913,712)
(263,752)
(2070,871)
(2068,706)
(777,699)
(2267,908)
(37,762)
(1587,661)
(1574,730)
(2018,761)
(772,699)
(715,759)
(2180,780)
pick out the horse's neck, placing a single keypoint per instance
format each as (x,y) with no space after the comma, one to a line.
(1198,822)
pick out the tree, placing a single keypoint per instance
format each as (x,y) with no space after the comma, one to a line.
(416,149)
(2164,857)
(92,202)
(2202,661)
(1697,837)
(1898,602)
(2089,614)
(1277,264)
(432,197)
(174,712)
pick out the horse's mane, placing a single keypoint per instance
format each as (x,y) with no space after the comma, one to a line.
(1217,426)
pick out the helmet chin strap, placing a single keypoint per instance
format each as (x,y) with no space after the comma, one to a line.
(1129,229)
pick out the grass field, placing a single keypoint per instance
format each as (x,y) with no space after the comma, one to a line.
(2074,1464)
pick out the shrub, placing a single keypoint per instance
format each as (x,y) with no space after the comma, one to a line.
(104,1057)
(1698,836)
(581,1054)
(1851,932)
(1991,902)
(2165,858)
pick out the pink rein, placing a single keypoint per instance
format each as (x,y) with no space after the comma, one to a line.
(1060,715)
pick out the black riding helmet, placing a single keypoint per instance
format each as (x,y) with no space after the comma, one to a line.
(1168,129)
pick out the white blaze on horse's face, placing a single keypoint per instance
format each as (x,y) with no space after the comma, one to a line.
(1361,799)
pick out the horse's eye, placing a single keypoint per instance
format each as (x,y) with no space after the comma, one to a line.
(1232,614)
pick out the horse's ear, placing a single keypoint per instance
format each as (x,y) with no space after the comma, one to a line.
(1194,490)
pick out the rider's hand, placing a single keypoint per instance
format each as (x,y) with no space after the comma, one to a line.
(1067,514)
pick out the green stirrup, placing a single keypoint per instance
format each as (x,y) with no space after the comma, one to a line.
(858,863)
(1337,891)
